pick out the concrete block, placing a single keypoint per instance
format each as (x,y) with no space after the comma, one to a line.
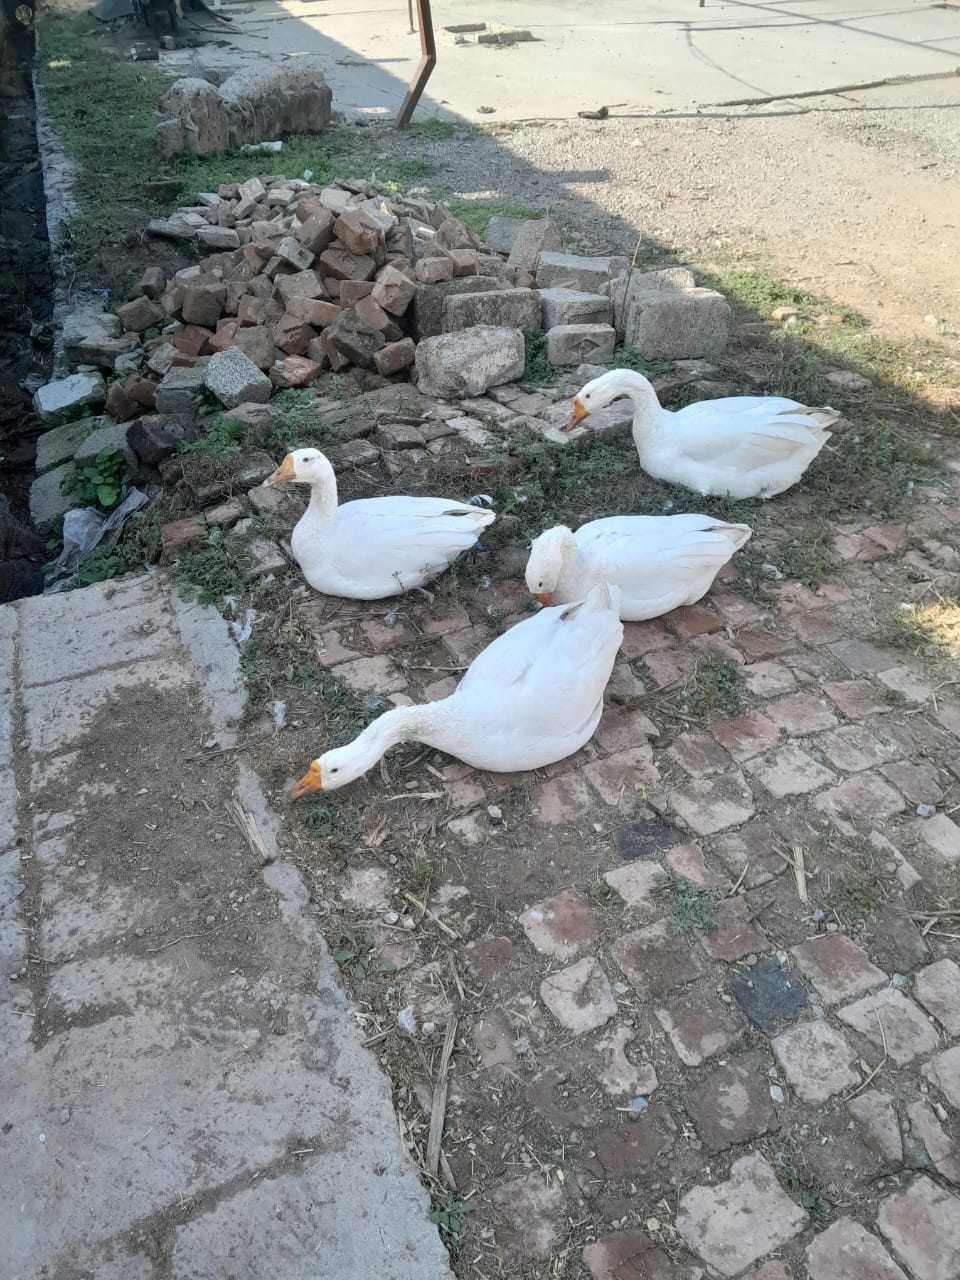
(577,343)
(47,499)
(570,306)
(501,233)
(57,400)
(587,275)
(506,308)
(426,309)
(454,365)
(180,391)
(665,325)
(60,444)
(112,437)
(234,379)
(534,238)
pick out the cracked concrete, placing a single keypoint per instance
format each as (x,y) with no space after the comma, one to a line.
(184,1088)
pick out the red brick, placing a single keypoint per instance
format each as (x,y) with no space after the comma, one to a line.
(817,1060)
(119,406)
(579,997)
(632,1145)
(560,926)
(905,1032)
(718,646)
(620,777)
(758,645)
(837,967)
(687,860)
(922,1224)
(561,800)
(735,934)
(860,802)
(801,713)
(937,987)
(732,1104)
(879,1125)
(819,627)
(640,638)
(178,532)
(670,668)
(857,699)
(493,1041)
(656,961)
(294,371)
(225,335)
(709,805)
(753,848)
(620,729)
(394,357)
(847,1251)
(734,609)
(888,536)
(699,1026)
(745,736)
(691,621)
(919,783)
(488,957)
(627,1255)
(765,679)
(142,390)
(192,340)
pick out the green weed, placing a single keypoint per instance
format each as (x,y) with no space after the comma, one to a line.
(214,566)
(298,424)
(328,819)
(139,545)
(477,213)
(100,484)
(871,467)
(221,442)
(717,690)
(449,1214)
(433,130)
(536,367)
(808,556)
(694,908)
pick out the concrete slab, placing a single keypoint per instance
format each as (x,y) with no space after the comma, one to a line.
(669,56)
(184,1078)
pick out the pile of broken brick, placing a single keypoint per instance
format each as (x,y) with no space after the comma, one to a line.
(303,281)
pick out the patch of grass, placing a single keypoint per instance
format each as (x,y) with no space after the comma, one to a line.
(536,367)
(434,130)
(101,483)
(353,952)
(935,623)
(477,213)
(808,556)
(214,566)
(222,441)
(755,289)
(870,467)
(547,483)
(624,358)
(298,424)
(604,894)
(717,690)
(694,908)
(103,107)
(449,1214)
(337,824)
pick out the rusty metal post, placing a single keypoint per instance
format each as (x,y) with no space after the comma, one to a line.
(428,60)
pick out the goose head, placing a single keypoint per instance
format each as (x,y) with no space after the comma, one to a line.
(549,556)
(600,392)
(337,767)
(303,466)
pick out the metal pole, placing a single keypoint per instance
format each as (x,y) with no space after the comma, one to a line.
(413,29)
(428,60)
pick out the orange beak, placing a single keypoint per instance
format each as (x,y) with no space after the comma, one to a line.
(545,597)
(310,781)
(284,472)
(578,415)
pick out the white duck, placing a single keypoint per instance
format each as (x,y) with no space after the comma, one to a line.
(533,696)
(374,547)
(658,562)
(738,447)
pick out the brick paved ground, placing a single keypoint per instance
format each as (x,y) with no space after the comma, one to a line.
(650,1079)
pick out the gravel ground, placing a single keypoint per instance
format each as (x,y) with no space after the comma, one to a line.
(856,197)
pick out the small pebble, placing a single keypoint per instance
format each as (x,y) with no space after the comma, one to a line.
(391,619)
(638,1104)
(926,810)
(899,980)
(776,1093)
(391,917)
(819,916)
(211,920)
(41,1137)
(65,1114)
(495,814)
(832,926)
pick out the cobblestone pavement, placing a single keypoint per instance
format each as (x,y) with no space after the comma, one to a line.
(706,970)
(184,1093)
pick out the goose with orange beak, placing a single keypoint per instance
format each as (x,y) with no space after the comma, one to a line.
(532,697)
(737,447)
(658,562)
(374,547)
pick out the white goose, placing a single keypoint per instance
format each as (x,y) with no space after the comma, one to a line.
(658,562)
(738,447)
(533,696)
(374,547)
